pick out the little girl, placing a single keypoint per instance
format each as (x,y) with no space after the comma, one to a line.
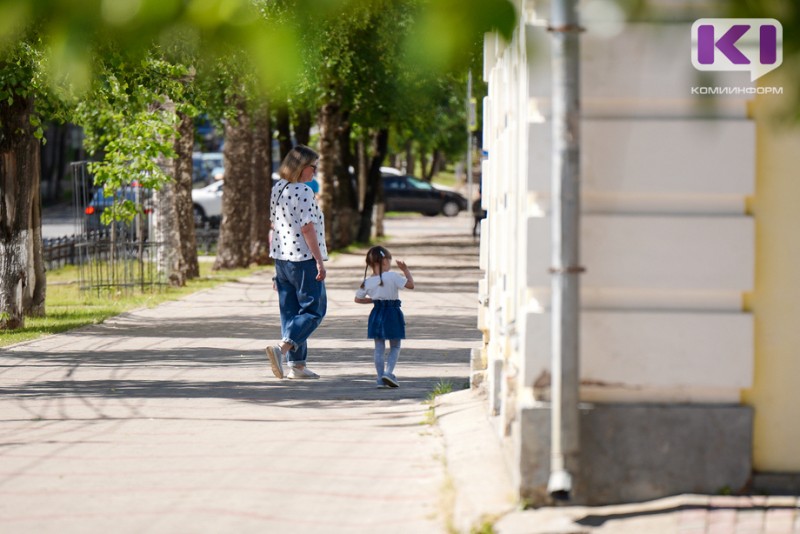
(386,321)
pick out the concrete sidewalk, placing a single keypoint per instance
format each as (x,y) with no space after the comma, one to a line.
(169,419)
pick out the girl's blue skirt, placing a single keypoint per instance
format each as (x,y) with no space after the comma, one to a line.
(386,320)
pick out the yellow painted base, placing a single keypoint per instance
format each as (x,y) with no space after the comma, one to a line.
(775,301)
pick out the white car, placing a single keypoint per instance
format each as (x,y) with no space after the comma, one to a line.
(391,170)
(204,165)
(207,204)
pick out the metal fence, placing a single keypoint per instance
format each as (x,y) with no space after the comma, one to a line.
(118,257)
(59,252)
(121,256)
(62,251)
(206,239)
(118,266)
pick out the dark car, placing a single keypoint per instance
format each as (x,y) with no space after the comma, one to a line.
(407,193)
(102,200)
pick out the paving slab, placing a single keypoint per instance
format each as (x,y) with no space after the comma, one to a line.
(168,419)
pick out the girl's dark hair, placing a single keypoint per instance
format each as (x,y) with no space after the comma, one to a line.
(375,256)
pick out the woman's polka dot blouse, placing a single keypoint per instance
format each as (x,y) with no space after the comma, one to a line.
(292,206)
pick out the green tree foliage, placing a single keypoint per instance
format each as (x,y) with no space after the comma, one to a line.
(375,65)
(72,31)
(435,117)
(126,125)
(446,32)
(110,66)
(787,12)
(22,77)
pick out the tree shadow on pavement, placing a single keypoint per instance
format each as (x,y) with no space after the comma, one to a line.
(598,520)
(203,358)
(444,328)
(452,327)
(419,372)
(325,392)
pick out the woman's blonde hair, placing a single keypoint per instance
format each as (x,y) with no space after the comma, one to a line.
(298,158)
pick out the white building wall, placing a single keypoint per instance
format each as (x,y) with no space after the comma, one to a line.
(666,239)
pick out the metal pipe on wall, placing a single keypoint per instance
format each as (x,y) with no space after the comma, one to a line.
(470,119)
(565,270)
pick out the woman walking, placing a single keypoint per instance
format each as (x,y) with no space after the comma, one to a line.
(298,246)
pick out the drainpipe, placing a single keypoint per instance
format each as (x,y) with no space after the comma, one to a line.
(565,270)
(470,115)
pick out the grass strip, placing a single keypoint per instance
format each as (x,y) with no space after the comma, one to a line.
(68,307)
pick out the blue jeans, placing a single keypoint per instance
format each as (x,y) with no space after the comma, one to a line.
(303,304)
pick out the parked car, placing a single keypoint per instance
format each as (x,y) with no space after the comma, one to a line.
(207,204)
(407,193)
(389,170)
(101,200)
(204,165)
(401,193)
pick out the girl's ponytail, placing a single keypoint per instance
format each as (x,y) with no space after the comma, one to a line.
(375,256)
(380,264)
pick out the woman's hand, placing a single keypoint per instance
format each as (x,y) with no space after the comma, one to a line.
(321,272)
(310,237)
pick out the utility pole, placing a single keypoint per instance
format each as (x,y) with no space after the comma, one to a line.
(565,270)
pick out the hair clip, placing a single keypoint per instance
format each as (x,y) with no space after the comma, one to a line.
(381,253)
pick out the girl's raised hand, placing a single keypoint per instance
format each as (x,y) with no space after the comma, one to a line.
(409,279)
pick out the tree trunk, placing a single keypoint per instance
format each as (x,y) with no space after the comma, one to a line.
(233,250)
(22,281)
(380,213)
(284,129)
(410,157)
(437,163)
(166,227)
(166,224)
(329,122)
(302,130)
(423,165)
(346,196)
(53,162)
(262,187)
(184,145)
(374,192)
(33,299)
(363,169)
(428,172)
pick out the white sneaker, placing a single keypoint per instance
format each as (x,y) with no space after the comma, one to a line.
(301,374)
(275,359)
